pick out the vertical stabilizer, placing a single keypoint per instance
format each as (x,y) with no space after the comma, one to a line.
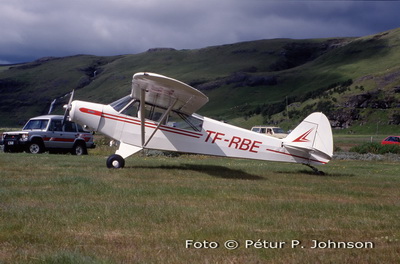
(313,134)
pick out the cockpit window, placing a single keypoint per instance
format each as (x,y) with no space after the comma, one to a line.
(129,106)
(183,121)
(174,119)
(37,124)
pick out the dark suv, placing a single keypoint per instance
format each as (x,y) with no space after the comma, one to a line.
(48,132)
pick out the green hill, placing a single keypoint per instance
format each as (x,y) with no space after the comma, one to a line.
(355,81)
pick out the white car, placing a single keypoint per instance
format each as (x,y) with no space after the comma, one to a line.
(270,131)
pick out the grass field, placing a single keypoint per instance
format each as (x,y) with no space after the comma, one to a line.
(71,209)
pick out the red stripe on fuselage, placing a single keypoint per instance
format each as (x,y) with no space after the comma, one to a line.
(137,122)
(90,111)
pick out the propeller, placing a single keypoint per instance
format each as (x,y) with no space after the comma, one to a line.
(68,106)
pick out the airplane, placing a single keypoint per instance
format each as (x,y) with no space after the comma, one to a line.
(159,113)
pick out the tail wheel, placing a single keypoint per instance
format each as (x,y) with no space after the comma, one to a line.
(115,162)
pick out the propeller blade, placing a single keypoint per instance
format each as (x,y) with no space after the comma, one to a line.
(71,97)
(68,106)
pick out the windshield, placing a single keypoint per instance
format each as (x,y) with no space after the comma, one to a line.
(121,103)
(38,124)
(278,130)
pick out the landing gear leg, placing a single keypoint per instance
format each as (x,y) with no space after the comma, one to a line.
(316,171)
(115,162)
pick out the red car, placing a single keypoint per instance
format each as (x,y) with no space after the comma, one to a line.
(391,140)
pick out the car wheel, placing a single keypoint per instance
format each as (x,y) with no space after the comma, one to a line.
(115,162)
(79,149)
(35,147)
(6,149)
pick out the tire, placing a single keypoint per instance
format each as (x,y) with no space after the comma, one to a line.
(115,162)
(6,149)
(79,149)
(35,147)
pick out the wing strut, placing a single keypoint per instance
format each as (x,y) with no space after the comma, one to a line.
(142,114)
(164,116)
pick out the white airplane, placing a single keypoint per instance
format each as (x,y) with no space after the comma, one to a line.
(159,113)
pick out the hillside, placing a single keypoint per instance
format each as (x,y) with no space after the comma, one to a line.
(356,81)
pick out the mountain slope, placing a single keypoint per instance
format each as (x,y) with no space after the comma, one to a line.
(249,79)
(367,93)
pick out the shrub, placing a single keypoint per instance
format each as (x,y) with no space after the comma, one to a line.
(376,148)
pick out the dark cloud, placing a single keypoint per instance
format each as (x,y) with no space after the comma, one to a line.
(31,29)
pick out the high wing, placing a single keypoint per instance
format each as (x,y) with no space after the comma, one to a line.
(163,91)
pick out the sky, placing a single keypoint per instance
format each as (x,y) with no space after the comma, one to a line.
(32,29)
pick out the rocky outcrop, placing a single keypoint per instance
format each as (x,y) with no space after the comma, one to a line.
(375,100)
(343,118)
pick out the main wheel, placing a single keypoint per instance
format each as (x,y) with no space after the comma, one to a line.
(115,162)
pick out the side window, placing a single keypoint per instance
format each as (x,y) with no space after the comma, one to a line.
(55,125)
(175,119)
(263,130)
(80,128)
(43,125)
(154,113)
(69,127)
(183,121)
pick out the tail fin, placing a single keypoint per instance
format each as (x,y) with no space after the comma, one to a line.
(313,134)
